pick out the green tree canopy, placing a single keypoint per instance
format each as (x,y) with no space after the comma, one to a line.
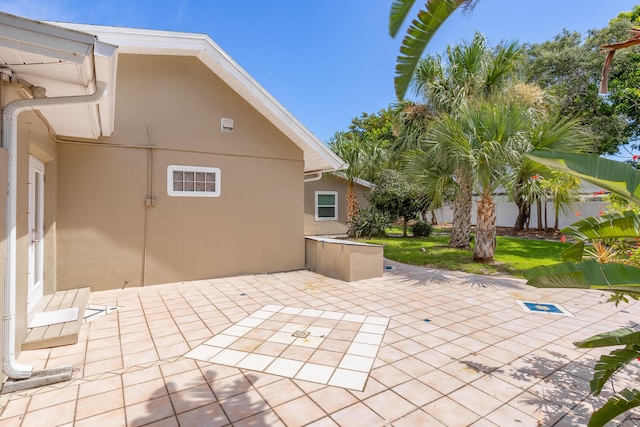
(569,68)
(394,195)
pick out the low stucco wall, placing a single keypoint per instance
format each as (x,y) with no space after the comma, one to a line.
(344,260)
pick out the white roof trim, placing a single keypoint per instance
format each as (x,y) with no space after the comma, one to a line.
(92,61)
(44,39)
(359,181)
(317,156)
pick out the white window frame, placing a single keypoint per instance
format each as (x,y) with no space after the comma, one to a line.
(194,193)
(335,206)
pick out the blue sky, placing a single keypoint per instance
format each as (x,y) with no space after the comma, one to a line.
(326,61)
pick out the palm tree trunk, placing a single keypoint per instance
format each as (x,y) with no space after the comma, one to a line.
(352,203)
(539,209)
(434,219)
(485,228)
(461,227)
(523,214)
(524,209)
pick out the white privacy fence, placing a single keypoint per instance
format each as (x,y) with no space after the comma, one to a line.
(507,212)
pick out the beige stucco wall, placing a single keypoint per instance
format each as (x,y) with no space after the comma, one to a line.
(345,260)
(329,182)
(108,238)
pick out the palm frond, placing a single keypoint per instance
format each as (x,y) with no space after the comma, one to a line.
(502,66)
(561,134)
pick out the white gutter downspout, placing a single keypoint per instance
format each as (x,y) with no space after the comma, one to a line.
(313,177)
(10,141)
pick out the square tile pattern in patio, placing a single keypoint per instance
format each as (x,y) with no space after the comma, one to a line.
(479,360)
(283,341)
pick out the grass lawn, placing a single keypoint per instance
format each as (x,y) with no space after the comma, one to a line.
(512,254)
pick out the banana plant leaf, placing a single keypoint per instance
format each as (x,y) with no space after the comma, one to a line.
(617,177)
(588,274)
(609,364)
(619,404)
(616,225)
(418,34)
(399,11)
(612,225)
(574,252)
(622,336)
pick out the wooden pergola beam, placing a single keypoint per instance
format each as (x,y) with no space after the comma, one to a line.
(611,48)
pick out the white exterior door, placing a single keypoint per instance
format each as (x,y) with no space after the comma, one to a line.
(36,232)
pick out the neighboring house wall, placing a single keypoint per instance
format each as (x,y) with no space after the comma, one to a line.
(329,182)
(108,237)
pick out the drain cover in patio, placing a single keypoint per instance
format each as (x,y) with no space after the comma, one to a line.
(544,308)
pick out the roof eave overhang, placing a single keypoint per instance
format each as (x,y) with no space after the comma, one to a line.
(44,39)
(88,61)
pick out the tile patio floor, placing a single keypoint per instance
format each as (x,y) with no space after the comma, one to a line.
(458,351)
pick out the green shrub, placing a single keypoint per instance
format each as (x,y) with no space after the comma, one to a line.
(421,229)
(369,223)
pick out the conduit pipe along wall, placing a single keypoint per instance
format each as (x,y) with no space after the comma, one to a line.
(10,141)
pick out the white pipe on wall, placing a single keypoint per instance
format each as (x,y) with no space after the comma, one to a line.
(10,141)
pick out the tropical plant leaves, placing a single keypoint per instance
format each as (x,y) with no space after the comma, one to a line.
(574,252)
(612,225)
(619,404)
(399,11)
(617,177)
(587,274)
(609,364)
(615,225)
(418,35)
(623,336)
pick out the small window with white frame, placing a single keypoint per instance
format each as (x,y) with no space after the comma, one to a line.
(193,181)
(326,205)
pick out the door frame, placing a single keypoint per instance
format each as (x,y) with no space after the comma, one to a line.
(35,235)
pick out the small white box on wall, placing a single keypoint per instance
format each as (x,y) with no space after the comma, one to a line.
(226,125)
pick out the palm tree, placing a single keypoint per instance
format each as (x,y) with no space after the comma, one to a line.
(419,33)
(526,178)
(563,189)
(523,183)
(436,182)
(365,156)
(467,73)
(481,141)
(447,148)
